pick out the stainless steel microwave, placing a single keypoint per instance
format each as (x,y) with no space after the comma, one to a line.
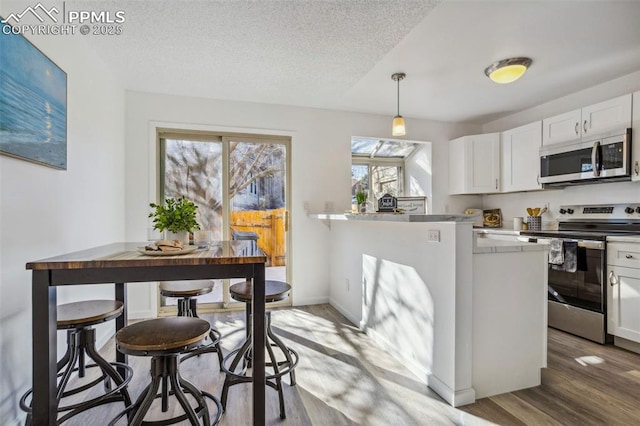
(599,159)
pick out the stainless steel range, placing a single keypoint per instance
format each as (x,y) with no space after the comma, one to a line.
(578,262)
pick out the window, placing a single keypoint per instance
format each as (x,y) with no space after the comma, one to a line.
(377,165)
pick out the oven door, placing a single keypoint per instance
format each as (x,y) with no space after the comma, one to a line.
(582,288)
(605,157)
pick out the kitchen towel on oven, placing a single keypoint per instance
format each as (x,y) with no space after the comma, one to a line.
(556,252)
(570,251)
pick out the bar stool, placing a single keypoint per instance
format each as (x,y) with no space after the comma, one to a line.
(164,339)
(78,319)
(186,292)
(274,291)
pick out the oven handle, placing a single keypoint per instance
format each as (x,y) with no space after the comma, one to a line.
(588,244)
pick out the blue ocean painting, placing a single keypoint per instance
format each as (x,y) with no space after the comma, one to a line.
(33,103)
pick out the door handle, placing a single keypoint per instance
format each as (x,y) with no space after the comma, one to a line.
(584,126)
(612,279)
(595,158)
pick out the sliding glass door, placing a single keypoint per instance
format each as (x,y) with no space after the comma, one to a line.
(240,184)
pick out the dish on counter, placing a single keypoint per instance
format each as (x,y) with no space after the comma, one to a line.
(185,250)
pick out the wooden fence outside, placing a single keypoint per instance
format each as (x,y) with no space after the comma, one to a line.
(270,227)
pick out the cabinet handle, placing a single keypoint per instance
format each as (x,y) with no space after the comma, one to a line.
(629,256)
(584,126)
(538,179)
(496,183)
(637,168)
(577,128)
(612,279)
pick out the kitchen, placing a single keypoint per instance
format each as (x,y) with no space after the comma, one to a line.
(125,175)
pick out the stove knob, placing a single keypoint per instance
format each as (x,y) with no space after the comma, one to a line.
(628,210)
(638,209)
(562,211)
(570,211)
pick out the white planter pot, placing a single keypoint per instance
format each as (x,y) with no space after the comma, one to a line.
(180,236)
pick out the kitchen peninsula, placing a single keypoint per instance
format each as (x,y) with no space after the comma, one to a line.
(466,314)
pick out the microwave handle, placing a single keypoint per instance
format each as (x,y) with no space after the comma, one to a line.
(595,158)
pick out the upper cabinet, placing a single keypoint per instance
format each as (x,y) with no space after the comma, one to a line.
(599,118)
(520,158)
(474,164)
(635,139)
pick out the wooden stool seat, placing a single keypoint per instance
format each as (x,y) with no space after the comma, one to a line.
(86,313)
(186,292)
(162,335)
(164,339)
(274,291)
(185,288)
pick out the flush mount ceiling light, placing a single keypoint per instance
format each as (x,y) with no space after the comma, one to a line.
(507,70)
(397,128)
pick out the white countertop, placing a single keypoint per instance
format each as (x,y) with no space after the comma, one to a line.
(392,217)
(624,239)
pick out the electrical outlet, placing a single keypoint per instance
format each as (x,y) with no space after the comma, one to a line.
(433,235)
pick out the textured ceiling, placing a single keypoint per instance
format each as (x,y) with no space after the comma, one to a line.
(341,54)
(284,52)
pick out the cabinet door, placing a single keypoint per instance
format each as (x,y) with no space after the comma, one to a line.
(635,139)
(520,158)
(602,117)
(474,164)
(457,166)
(561,128)
(624,303)
(483,151)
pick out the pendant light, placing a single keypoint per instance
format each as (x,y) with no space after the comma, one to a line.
(397,128)
(507,70)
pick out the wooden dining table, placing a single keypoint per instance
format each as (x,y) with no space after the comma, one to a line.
(123,264)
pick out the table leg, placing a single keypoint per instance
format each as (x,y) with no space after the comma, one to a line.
(259,341)
(44,349)
(121,321)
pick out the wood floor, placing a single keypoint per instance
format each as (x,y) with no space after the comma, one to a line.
(343,378)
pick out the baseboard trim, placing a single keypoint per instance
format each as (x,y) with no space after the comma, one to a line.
(454,398)
(309,301)
(344,312)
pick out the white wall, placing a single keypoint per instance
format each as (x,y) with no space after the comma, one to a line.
(413,297)
(418,174)
(46,212)
(514,204)
(320,167)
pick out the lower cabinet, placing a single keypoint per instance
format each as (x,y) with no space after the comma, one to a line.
(623,279)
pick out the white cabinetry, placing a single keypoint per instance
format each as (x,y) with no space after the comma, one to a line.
(474,164)
(623,280)
(635,139)
(520,147)
(599,118)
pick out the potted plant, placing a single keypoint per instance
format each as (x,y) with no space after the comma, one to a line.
(361,199)
(176,217)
